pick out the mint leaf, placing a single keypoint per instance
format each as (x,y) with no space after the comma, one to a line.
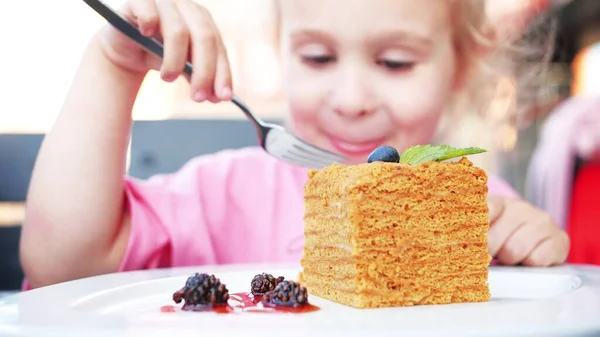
(423,153)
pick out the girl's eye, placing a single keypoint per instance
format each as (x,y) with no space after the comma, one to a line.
(395,65)
(319,60)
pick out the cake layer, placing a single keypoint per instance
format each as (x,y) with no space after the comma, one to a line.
(429,211)
(343,269)
(437,217)
(398,237)
(449,282)
(357,284)
(451,288)
(415,261)
(403,198)
(408,297)
(440,179)
(395,272)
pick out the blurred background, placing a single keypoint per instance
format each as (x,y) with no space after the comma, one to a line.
(42,49)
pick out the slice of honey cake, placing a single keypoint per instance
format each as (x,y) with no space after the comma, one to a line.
(389,233)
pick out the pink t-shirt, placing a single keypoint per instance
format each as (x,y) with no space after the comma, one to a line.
(235,206)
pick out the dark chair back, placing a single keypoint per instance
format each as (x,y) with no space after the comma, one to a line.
(163,146)
(17,157)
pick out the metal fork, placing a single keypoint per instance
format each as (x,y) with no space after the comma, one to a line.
(272,138)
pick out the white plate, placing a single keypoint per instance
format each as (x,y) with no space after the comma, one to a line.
(563,301)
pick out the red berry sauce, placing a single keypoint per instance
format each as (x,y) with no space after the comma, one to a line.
(245,302)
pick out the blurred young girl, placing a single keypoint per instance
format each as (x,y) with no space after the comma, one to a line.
(359,74)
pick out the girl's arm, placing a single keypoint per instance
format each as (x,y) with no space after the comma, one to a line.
(75,225)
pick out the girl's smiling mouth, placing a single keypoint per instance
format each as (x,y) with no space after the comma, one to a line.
(354,149)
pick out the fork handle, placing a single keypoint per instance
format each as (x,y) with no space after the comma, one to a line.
(154,46)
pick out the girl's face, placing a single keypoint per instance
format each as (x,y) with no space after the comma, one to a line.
(364,73)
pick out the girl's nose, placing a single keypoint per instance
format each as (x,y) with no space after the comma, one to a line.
(351,96)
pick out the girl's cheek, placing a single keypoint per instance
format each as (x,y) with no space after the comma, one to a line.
(302,110)
(304,97)
(303,124)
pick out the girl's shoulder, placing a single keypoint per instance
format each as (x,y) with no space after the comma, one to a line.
(217,208)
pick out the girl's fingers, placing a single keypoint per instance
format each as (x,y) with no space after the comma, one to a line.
(204,48)
(523,241)
(496,208)
(223,87)
(188,33)
(222,83)
(504,221)
(145,14)
(176,40)
(520,233)
(551,251)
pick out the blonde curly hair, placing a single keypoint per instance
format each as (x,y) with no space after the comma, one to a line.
(505,71)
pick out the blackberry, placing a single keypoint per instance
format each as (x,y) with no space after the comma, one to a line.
(287,294)
(202,290)
(385,154)
(263,283)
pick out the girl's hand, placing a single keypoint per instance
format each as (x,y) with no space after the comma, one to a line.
(522,234)
(188,34)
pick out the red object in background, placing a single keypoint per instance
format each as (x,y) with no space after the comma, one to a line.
(584,216)
(538,6)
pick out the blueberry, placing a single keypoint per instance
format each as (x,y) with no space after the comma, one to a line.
(385,154)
